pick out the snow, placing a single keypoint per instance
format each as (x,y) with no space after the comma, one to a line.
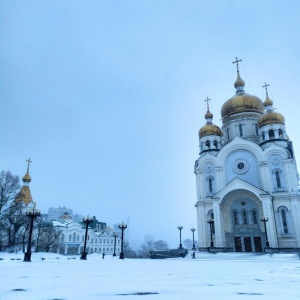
(210,276)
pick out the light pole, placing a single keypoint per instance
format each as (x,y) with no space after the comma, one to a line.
(193,231)
(86,221)
(122,226)
(265,220)
(180,228)
(31,214)
(211,222)
(115,235)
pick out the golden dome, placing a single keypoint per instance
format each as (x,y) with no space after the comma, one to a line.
(242,103)
(208,115)
(27,177)
(271,118)
(268,102)
(239,81)
(209,129)
(24,195)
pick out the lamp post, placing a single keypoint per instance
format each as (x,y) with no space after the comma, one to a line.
(180,228)
(31,214)
(115,235)
(86,221)
(265,220)
(211,222)
(122,226)
(193,231)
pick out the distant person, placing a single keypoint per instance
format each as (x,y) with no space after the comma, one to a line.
(193,255)
(103,255)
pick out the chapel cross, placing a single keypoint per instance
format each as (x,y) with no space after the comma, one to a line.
(237,64)
(207,104)
(29,161)
(266,87)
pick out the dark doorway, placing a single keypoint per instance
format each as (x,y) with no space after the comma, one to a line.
(247,242)
(238,244)
(257,244)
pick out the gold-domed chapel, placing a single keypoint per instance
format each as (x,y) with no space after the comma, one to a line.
(247,179)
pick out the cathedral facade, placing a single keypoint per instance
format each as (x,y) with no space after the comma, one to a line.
(247,179)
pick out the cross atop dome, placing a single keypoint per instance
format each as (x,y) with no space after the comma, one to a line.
(266,87)
(207,102)
(237,64)
(29,162)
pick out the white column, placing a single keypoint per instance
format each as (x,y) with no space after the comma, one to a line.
(268,213)
(295,208)
(219,230)
(201,223)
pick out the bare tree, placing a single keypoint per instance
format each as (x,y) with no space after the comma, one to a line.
(161,245)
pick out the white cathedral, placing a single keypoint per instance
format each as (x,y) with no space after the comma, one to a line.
(247,179)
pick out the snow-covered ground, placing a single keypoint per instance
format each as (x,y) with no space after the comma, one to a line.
(209,276)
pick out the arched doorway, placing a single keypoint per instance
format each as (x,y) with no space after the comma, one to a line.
(242,213)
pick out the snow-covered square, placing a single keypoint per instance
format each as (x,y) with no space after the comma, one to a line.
(209,276)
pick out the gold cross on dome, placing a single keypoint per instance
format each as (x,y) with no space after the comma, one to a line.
(237,64)
(29,162)
(266,87)
(206,100)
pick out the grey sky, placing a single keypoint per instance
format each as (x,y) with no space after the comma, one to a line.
(107,97)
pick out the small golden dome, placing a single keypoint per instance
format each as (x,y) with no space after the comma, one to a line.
(271,118)
(27,177)
(268,102)
(242,103)
(239,81)
(209,129)
(208,114)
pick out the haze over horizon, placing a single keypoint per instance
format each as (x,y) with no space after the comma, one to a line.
(107,97)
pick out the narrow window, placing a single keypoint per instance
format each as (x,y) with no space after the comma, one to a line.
(245,219)
(213,223)
(70,238)
(215,144)
(235,217)
(256,129)
(280,133)
(277,177)
(207,144)
(228,134)
(77,238)
(210,188)
(284,222)
(74,237)
(271,134)
(263,136)
(254,216)
(241,129)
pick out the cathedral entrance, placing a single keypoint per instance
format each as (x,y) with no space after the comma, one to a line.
(243,232)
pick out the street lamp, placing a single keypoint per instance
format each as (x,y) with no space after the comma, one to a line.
(211,222)
(115,235)
(265,220)
(122,226)
(31,214)
(180,228)
(86,221)
(193,231)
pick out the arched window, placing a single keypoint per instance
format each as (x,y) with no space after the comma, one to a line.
(95,241)
(70,238)
(277,178)
(78,238)
(235,217)
(74,237)
(103,241)
(256,129)
(241,129)
(62,237)
(215,144)
(210,188)
(284,220)
(228,136)
(271,134)
(254,216)
(207,144)
(82,238)
(263,136)
(245,217)
(280,133)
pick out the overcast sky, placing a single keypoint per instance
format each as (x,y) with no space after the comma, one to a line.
(107,97)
